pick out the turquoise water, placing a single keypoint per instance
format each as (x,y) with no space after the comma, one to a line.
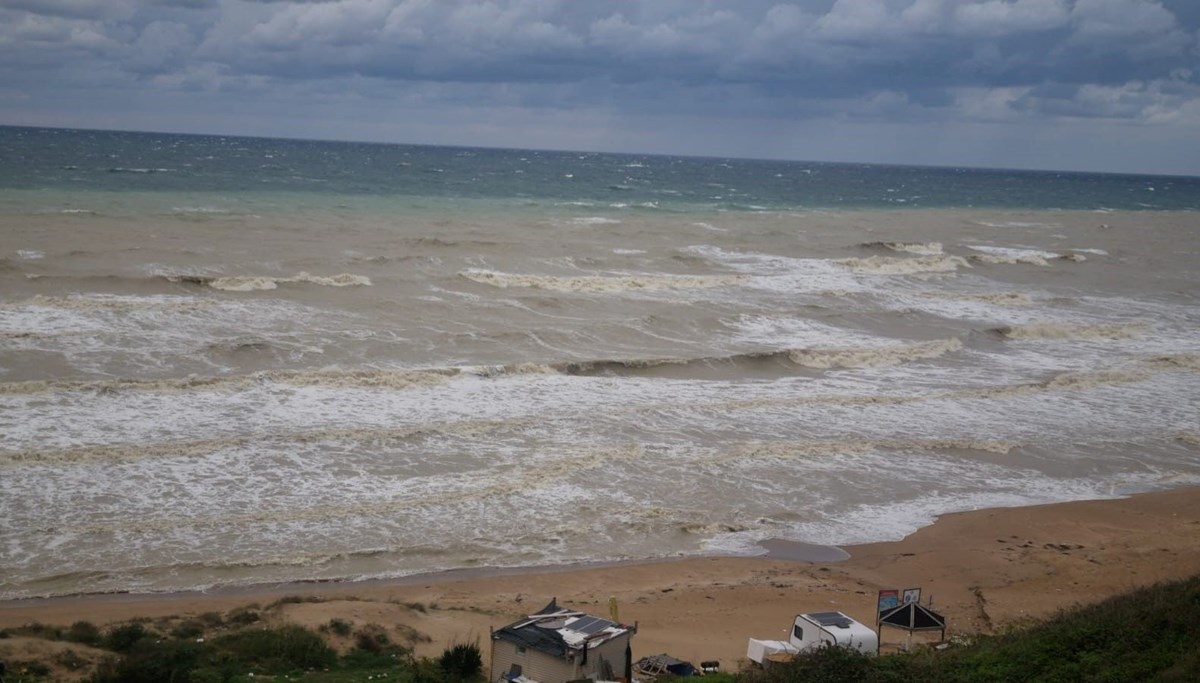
(56,159)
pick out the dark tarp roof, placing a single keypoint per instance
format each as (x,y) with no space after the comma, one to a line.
(913,617)
(665,662)
(530,635)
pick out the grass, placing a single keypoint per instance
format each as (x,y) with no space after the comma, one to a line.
(236,649)
(1147,635)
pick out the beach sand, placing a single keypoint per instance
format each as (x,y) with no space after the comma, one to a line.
(985,570)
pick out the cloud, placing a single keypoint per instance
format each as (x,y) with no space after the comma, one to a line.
(889,61)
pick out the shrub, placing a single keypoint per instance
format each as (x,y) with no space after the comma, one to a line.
(339,627)
(123,638)
(70,660)
(828,664)
(461,662)
(243,616)
(152,662)
(30,668)
(371,638)
(212,619)
(39,630)
(83,632)
(188,630)
(279,650)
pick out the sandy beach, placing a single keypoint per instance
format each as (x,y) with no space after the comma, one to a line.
(985,570)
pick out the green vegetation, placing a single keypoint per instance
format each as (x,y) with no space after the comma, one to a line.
(461,662)
(1147,635)
(243,646)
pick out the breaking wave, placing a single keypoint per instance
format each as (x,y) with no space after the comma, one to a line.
(1061,331)
(538,475)
(250,283)
(388,379)
(597,283)
(1001,298)
(881,357)
(123,452)
(886,265)
(876,357)
(824,447)
(919,248)
(1070,381)
(1183,361)
(1013,255)
(100,302)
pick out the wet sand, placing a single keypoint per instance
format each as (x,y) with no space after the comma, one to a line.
(983,569)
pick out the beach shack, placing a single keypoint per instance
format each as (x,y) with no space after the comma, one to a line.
(556,645)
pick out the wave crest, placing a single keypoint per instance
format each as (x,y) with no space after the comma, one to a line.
(123,452)
(1001,298)
(887,265)
(919,248)
(100,302)
(1065,331)
(882,357)
(251,283)
(1185,361)
(390,379)
(598,283)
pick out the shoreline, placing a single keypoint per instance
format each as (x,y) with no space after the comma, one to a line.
(984,569)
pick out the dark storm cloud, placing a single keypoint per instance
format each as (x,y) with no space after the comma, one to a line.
(886,60)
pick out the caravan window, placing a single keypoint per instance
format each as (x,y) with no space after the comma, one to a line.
(798,632)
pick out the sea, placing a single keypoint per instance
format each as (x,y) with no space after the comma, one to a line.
(228,361)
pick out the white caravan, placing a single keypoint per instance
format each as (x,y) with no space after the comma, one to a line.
(812,630)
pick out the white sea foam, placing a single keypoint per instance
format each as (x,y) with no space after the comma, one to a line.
(1001,298)
(879,357)
(594,220)
(1013,255)
(602,283)
(31,254)
(880,265)
(700,430)
(919,248)
(110,302)
(1052,330)
(784,274)
(328,377)
(1018,224)
(250,283)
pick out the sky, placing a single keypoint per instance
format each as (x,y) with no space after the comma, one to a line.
(1093,85)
